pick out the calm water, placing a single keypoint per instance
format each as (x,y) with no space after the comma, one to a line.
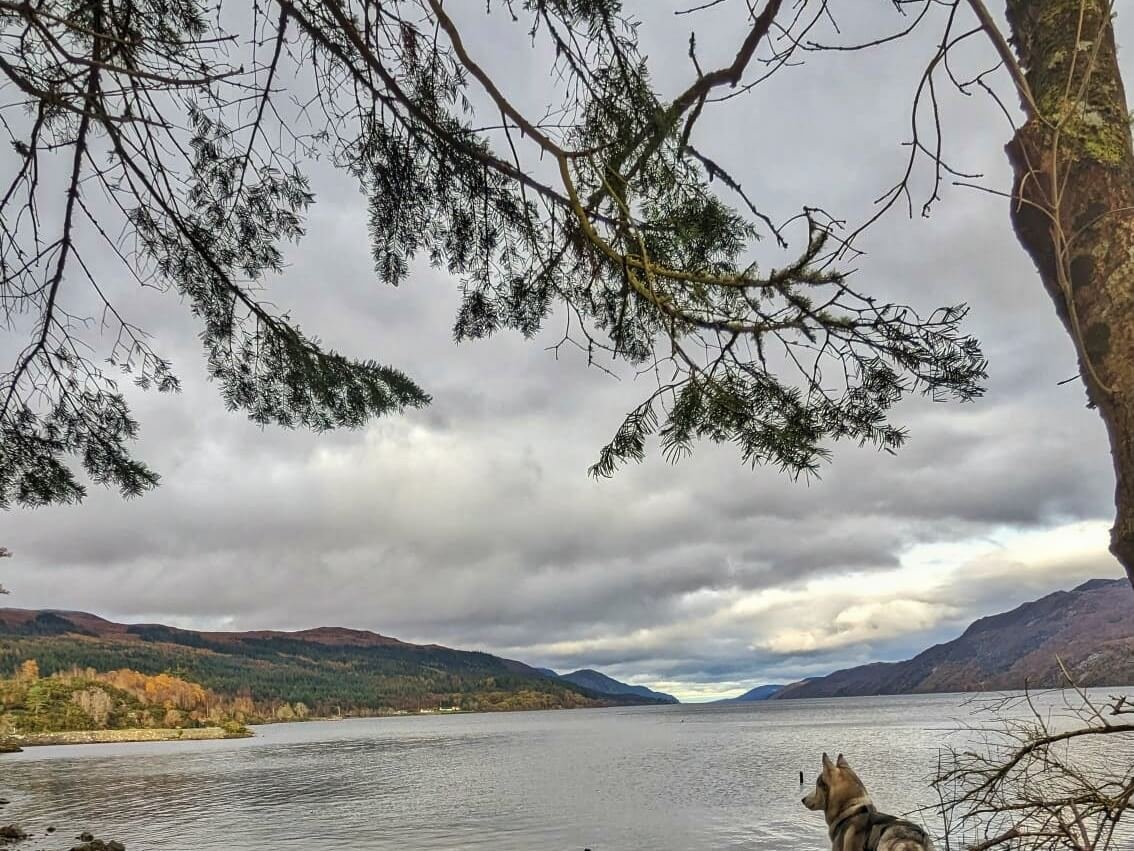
(659,778)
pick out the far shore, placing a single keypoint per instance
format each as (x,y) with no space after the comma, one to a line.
(17,741)
(90,737)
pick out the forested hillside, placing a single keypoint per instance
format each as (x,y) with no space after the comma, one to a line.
(330,671)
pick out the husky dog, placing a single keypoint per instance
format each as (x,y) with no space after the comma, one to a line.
(853,823)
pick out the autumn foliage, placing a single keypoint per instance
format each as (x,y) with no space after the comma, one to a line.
(85,699)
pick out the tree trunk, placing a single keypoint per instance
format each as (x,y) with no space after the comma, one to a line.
(1073,209)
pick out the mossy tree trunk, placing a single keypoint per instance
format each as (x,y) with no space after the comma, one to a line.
(1073,209)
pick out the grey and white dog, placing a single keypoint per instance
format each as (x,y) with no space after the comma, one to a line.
(853,822)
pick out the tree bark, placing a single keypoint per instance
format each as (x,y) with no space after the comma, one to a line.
(1073,209)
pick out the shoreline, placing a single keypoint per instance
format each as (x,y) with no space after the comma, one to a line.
(139,734)
(16,742)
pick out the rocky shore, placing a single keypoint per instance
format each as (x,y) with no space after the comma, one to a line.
(12,836)
(160,734)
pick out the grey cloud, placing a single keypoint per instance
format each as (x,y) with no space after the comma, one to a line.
(472,523)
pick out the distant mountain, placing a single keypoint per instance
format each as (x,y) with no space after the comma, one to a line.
(765,692)
(1090,628)
(547,672)
(603,684)
(332,670)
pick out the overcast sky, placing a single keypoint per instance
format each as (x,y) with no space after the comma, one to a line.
(473,523)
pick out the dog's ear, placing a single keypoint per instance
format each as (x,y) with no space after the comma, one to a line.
(828,766)
(841,762)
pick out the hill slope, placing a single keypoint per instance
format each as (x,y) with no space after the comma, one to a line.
(764,692)
(329,669)
(1091,628)
(603,684)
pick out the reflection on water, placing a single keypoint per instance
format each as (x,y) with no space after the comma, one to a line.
(667,778)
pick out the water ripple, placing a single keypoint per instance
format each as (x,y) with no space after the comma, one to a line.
(658,778)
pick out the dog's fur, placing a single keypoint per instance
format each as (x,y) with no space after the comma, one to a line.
(853,822)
